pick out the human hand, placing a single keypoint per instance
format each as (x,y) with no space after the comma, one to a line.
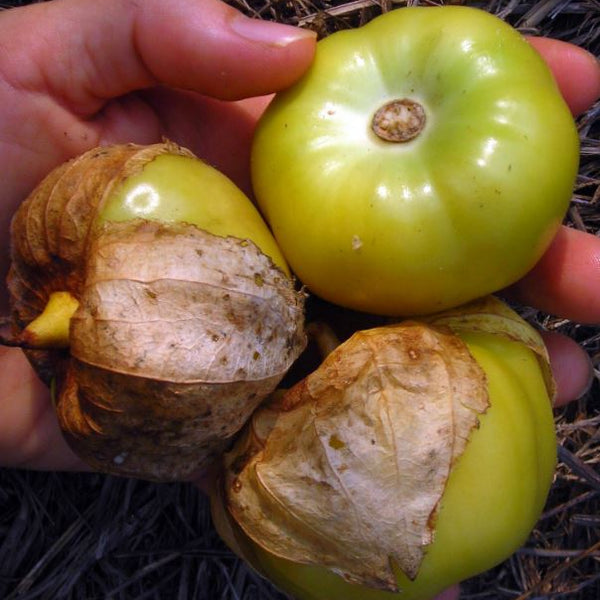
(80,74)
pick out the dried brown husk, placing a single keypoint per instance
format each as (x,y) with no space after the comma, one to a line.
(346,469)
(179,333)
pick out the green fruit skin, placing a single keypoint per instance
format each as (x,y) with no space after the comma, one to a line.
(493,498)
(174,188)
(462,210)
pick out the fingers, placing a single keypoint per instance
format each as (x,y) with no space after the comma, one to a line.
(571,366)
(29,433)
(566,280)
(452,593)
(87,52)
(576,71)
(225,55)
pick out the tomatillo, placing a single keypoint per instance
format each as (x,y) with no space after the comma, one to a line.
(344,489)
(150,295)
(424,160)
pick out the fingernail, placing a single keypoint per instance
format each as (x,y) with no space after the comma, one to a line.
(268,32)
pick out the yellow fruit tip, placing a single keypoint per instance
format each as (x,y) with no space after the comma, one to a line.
(51,328)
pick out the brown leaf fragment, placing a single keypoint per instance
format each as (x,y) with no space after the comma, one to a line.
(192,298)
(351,476)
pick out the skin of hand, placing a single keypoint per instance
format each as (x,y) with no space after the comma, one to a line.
(78,73)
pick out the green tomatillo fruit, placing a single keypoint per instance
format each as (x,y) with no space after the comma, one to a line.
(424,160)
(148,291)
(417,455)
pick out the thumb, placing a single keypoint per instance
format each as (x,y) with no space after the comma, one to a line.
(219,51)
(89,52)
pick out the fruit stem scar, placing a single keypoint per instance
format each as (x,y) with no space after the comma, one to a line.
(399,121)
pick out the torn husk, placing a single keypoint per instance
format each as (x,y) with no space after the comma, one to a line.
(346,469)
(491,315)
(53,228)
(177,336)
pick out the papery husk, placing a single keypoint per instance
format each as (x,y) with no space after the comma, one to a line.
(346,469)
(491,315)
(179,333)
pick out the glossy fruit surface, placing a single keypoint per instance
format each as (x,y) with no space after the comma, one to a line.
(175,188)
(462,201)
